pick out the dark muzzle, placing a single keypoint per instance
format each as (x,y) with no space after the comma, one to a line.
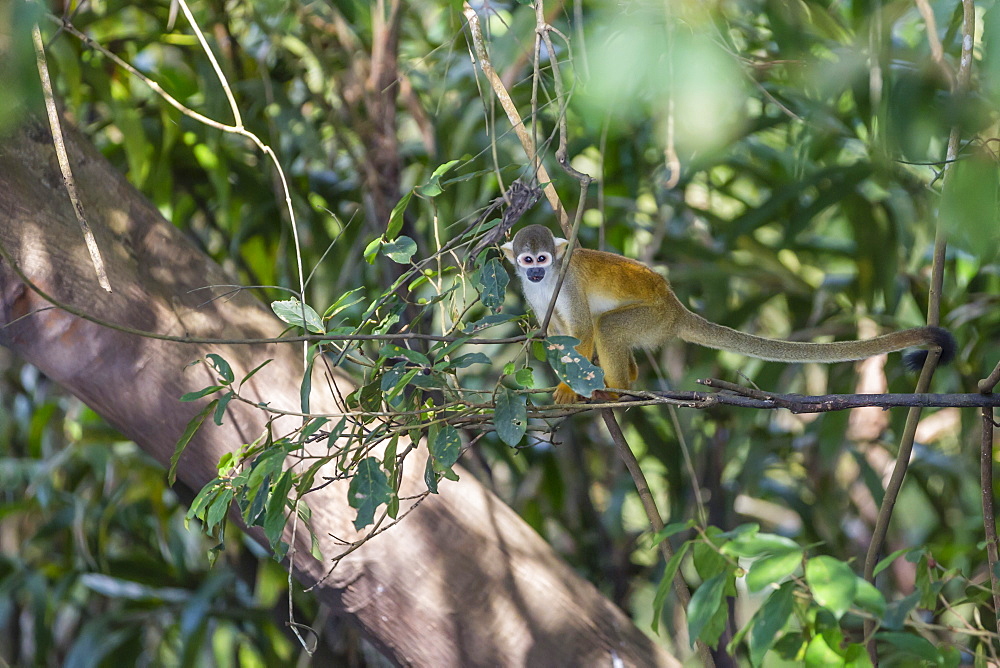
(535,274)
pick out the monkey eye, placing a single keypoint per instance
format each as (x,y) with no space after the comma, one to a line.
(542,259)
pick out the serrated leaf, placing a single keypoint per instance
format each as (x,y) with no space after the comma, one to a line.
(492,283)
(400,250)
(525,377)
(369,489)
(510,416)
(571,367)
(185,438)
(832,582)
(396,218)
(297,314)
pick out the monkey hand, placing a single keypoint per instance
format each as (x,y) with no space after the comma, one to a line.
(564,394)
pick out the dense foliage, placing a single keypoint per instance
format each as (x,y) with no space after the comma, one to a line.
(785,164)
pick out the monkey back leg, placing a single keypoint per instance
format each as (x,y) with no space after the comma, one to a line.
(620,330)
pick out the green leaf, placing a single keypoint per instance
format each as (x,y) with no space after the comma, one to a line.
(390,350)
(666,582)
(221,367)
(216,511)
(372,249)
(762,543)
(488,321)
(911,644)
(525,377)
(492,282)
(431,476)
(305,388)
(869,599)
(220,408)
(314,425)
(297,314)
(885,563)
(769,620)
(396,218)
(773,568)
(571,367)
(194,396)
(510,416)
(832,582)
(274,517)
(433,186)
(704,605)
(970,205)
(400,250)
(185,438)
(369,489)
(670,530)
(467,360)
(255,370)
(897,611)
(446,447)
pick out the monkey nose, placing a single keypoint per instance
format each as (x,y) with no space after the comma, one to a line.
(535,274)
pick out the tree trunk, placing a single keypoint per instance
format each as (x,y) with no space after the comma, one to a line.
(462,581)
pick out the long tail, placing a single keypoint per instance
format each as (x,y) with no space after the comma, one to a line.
(695,329)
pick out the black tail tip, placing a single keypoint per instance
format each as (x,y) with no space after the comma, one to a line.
(938,336)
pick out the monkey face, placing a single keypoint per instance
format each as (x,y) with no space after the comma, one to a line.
(534,265)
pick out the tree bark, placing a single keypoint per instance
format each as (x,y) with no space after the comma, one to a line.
(462,581)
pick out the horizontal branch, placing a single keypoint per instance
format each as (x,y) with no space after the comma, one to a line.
(798,403)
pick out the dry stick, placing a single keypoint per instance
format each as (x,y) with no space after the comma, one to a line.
(933,318)
(63,158)
(515,120)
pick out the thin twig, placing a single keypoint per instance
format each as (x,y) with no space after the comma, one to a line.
(63,158)
(653,514)
(515,120)
(958,90)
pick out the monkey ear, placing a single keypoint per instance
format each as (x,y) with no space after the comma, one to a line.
(508,251)
(560,246)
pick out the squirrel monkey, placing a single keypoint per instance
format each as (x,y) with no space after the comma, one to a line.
(613,304)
